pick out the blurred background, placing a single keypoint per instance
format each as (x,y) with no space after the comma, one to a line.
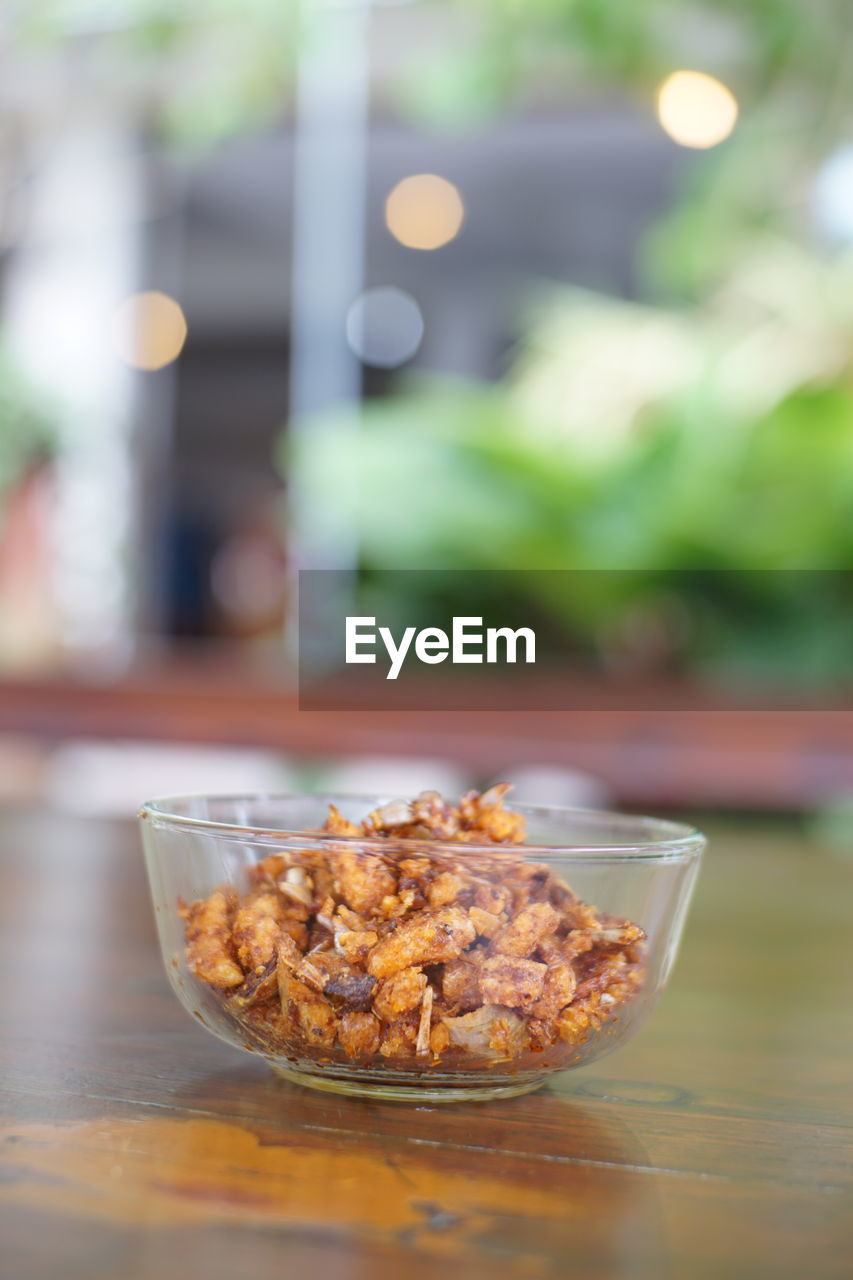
(432,285)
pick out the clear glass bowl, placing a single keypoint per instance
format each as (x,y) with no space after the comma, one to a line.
(497,1043)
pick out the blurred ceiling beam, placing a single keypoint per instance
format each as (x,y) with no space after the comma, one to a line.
(645,755)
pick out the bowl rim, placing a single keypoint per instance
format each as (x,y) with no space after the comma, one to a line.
(678,840)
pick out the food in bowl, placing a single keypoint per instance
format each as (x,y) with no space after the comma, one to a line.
(419,939)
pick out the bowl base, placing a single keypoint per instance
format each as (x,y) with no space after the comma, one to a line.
(425,1094)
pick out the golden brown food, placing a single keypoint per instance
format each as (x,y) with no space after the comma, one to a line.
(404,949)
(427,938)
(210,946)
(510,982)
(399,994)
(256,931)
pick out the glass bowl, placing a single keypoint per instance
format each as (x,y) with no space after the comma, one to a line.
(492,967)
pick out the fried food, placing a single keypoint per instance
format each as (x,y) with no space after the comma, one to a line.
(429,937)
(210,945)
(420,936)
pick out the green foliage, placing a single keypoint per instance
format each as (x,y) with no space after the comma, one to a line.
(218,68)
(223,66)
(204,69)
(788,63)
(670,443)
(759,42)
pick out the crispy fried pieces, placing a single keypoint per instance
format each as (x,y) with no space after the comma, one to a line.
(210,947)
(510,982)
(414,955)
(400,993)
(429,937)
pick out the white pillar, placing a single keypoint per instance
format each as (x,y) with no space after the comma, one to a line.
(76,260)
(328,260)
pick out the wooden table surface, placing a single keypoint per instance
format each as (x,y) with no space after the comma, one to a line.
(717,1144)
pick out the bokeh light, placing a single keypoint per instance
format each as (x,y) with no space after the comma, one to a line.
(695,109)
(149,330)
(384,327)
(833,196)
(424,211)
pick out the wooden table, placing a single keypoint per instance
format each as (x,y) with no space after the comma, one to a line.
(717,1144)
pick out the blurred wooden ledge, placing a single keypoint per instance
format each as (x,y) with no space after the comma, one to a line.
(646,754)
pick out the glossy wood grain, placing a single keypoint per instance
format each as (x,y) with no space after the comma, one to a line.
(718,1144)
